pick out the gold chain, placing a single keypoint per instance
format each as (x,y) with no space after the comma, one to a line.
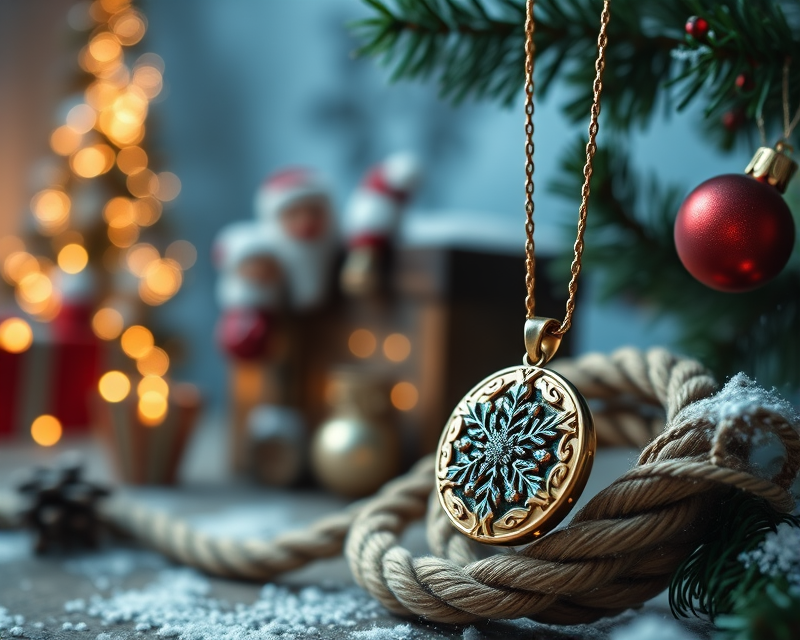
(591,147)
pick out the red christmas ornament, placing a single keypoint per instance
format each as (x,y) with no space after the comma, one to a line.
(697,28)
(734,232)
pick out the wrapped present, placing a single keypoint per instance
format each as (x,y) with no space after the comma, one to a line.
(147,431)
(55,374)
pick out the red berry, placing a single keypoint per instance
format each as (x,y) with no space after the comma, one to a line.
(744,82)
(732,120)
(697,28)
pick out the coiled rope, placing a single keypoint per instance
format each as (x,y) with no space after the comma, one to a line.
(618,551)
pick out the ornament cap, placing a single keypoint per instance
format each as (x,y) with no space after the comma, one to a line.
(773,166)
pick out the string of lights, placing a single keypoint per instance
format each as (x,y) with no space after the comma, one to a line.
(103,135)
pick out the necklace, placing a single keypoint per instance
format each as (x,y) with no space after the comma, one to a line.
(517,450)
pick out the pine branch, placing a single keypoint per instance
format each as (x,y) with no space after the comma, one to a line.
(713,581)
(630,247)
(474,48)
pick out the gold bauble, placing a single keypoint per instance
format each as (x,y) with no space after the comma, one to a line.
(356,450)
(353,457)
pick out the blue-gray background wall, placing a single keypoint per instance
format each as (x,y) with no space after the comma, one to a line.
(252,85)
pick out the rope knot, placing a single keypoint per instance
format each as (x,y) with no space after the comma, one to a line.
(749,429)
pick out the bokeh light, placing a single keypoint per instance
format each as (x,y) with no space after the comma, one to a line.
(147,211)
(152,408)
(107,323)
(81,118)
(93,161)
(51,209)
(16,335)
(119,212)
(137,341)
(139,257)
(123,237)
(105,47)
(131,159)
(128,26)
(396,347)
(142,183)
(161,281)
(101,93)
(113,6)
(114,386)
(149,79)
(46,430)
(18,265)
(167,186)
(183,252)
(73,258)
(154,363)
(362,343)
(154,384)
(65,140)
(404,396)
(35,288)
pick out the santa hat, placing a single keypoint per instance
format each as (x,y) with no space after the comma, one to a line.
(286,187)
(239,241)
(373,213)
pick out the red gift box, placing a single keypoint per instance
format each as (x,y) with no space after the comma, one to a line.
(56,375)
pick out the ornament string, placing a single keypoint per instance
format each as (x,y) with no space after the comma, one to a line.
(788,124)
(591,147)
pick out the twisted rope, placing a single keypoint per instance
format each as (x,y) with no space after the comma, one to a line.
(618,551)
(621,548)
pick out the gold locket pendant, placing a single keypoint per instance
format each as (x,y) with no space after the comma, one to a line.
(517,450)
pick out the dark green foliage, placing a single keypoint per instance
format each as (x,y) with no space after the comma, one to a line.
(744,603)
(630,245)
(773,614)
(474,48)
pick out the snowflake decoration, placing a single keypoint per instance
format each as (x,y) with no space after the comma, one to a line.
(507,450)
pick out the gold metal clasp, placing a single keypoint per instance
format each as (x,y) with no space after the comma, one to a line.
(541,340)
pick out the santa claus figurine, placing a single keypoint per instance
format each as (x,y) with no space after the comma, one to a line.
(248,290)
(295,208)
(372,219)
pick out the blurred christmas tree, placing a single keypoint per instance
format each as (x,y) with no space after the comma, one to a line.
(94,258)
(733,57)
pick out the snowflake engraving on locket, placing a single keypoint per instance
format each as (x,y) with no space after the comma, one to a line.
(508,451)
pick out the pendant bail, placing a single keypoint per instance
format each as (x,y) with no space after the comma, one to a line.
(541,340)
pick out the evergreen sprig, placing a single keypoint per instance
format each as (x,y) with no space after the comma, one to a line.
(630,246)
(474,48)
(750,41)
(745,603)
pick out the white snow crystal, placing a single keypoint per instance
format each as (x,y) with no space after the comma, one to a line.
(471,633)
(67,626)
(178,604)
(81,626)
(778,554)
(17,632)
(400,632)
(652,627)
(73,606)
(741,396)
